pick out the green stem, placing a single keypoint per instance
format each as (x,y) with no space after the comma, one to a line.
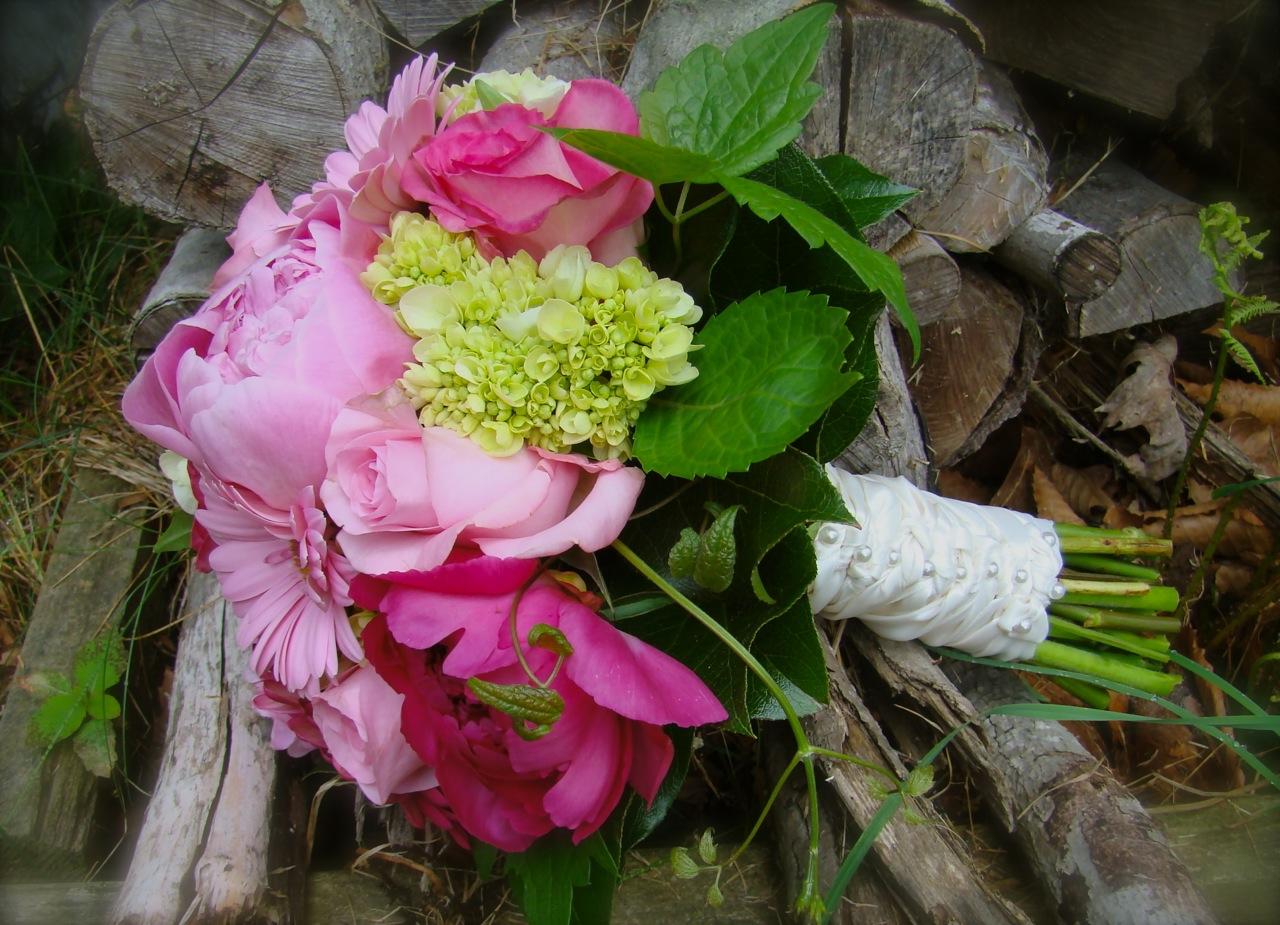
(1161,598)
(1088,694)
(1069,658)
(662,206)
(1093,540)
(1095,618)
(703,206)
(1105,586)
(1105,565)
(1193,447)
(1195,585)
(1064,629)
(809,898)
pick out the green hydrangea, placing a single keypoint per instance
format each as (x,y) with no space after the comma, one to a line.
(526,88)
(510,351)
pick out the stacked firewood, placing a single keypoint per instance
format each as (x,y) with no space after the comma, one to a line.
(1003,247)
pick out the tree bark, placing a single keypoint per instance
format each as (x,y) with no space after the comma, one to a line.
(181,288)
(192,103)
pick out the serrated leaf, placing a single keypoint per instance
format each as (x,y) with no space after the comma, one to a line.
(95,745)
(715,898)
(58,717)
(1240,353)
(102,706)
(642,157)
(683,865)
(790,650)
(770,366)
(739,106)
(868,196)
(100,663)
(177,536)
(707,847)
(876,270)
(717,552)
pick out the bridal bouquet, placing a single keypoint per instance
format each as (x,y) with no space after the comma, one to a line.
(509,490)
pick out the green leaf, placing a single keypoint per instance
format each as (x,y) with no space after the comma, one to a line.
(654,162)
(58,717)
(640,820)
(544,877)
(868,196)
(683,866)
(485,856)
(715,898)
(1240,353)
(738,107)
(771,365)
(684,553)
(545,636)
(95,745)
(717,552)
(919,781)
(177,536)
(102,706)
(43,684)
(523,703)
(790,650)
(100,663)
(876,270)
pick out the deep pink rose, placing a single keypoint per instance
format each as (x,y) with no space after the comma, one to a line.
(405,496)
(358,717)
(504,789)
(494,173)
(292,729)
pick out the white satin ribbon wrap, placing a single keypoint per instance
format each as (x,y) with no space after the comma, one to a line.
(946,572)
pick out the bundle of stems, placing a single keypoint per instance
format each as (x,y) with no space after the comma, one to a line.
(1115,617)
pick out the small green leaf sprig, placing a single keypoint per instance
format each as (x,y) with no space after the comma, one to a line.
(510,351)
(81,707)
(684,867)
(1224,241)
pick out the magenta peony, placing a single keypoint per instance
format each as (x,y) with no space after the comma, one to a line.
(503,788)
(405,497)
(494,173)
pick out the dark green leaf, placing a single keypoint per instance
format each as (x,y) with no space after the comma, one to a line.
(770,366)
(873,268)
(100,663)
(544,877)
(95,744)
(640,820)
(738,107)
(717,552)
(177,536)
(684,553)
(654,162)
(789,648)
(58,717)
(485,856)
(868,196)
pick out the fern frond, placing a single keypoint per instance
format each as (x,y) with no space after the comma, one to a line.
(1245,308)
(1240,353)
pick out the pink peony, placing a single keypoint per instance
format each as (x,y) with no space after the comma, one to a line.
(358,717)
(495,173)
(618,692)
(405,497)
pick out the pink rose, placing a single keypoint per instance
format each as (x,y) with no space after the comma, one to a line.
(405,497)
(496,174)
(358,717)
(618,692)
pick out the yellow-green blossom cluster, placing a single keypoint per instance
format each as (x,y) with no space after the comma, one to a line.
(554,354)
(526,88)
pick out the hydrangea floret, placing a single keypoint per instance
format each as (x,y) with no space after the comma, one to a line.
(526,88)
(552,354)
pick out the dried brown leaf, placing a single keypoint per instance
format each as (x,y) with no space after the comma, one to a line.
(1015,491)
(1086,490)
(1169,751)
(1050,504)
(1257,440)
(954,484)
(1242,538)
(1145,399)
(1233,578)
(1236,398)
(1265,350)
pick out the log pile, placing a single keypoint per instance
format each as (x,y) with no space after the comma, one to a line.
(1003,244)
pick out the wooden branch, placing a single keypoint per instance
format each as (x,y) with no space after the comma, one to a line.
(1132,53)
(1162,272)
(47,797)
(181,288)
(1062,256)
(416,20)
(1093,847)
(156,888)
(231,877)
(183,98)
(925,866)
